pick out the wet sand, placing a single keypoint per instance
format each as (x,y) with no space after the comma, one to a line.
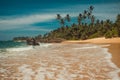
(64,62)
(59,62)
(114,47)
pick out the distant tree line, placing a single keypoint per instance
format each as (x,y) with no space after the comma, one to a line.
(20,38)
(82,29)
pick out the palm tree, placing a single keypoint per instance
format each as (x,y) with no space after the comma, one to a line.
(102,22)
(67,17)
(91,9)
(89,15)
(117,22)
(60,19)
(85,14)
(92,19)
(98,21)
(59,16)
(62,22)
(85,11)
(118,19)
(79,18)
(107,24)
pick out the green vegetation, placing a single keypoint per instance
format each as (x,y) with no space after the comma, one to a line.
(81,29)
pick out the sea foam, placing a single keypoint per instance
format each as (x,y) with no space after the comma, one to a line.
(113,74)
(20,49)
(66,62)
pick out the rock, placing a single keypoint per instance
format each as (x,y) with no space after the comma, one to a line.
(32,42)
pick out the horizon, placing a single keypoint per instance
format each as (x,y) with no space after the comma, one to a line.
(34,17)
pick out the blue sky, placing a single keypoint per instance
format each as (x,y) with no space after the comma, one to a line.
(33,17)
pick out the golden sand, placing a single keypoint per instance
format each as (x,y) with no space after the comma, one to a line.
(62,62)
(114,47)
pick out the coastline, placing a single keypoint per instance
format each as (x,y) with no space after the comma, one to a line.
(67,64)
(113,48)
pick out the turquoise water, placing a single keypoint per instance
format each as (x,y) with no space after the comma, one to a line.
(4,45)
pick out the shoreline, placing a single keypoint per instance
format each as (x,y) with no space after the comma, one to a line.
(62,62)
(113,48)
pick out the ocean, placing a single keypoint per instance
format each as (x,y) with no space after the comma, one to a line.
(57,62)
(12,46)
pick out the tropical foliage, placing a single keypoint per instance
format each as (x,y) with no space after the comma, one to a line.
(83,30)
(86,27)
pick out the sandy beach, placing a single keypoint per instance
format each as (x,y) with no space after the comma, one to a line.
(64,61)
(114,47)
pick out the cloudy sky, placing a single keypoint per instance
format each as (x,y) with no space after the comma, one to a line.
(33,17)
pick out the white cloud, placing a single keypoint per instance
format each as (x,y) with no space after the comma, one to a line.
(22,21)
(33,28)
(102,11)
(28,19)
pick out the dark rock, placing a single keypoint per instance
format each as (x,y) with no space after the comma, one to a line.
(32,41)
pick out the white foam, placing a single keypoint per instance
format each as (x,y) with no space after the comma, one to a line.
(26,72)
(45,45)
(2,70)
(89,60)
(113,74)
(87,47)
(20,49)
(105,45)
(40,74)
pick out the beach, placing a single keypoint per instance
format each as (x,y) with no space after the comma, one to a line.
(114,47)
(69,60)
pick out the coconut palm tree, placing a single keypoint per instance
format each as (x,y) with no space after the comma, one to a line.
(91,9)
(117,22)
(85,14)
(59,16)
(97,21)
(89,15)
(60,19)
(118,18)
(92,19)
(79,18)
(108,24)
(102,22)
(62,22)
(67,17)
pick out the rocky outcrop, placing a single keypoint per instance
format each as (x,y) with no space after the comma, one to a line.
(32,41)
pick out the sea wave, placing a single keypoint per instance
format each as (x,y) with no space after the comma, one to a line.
(45,44)
(20,48)
(68,62)
(24,48)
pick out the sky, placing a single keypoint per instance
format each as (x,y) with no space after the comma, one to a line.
(34,17)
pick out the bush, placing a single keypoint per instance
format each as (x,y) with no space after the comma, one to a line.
(115,32)
(108,34)
(83,36)
(98,34)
